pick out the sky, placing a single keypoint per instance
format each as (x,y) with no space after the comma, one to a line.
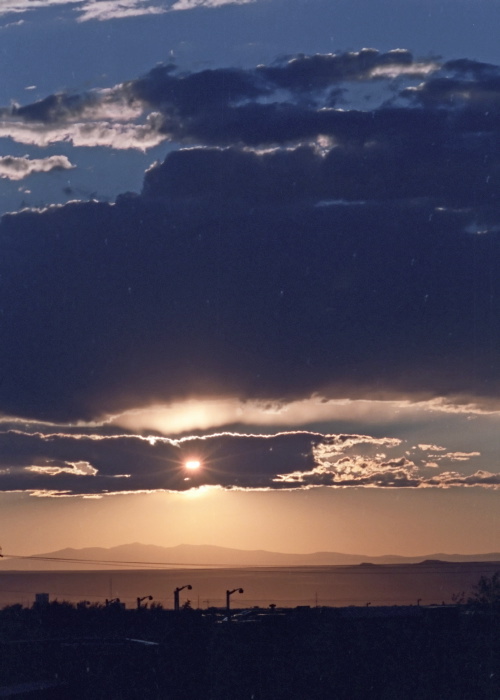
(249,289)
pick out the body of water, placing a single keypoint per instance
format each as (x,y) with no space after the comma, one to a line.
(284,586)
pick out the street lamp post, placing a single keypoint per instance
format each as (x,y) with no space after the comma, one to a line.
(112,601)
(139,600)
(176,596)
(228,600)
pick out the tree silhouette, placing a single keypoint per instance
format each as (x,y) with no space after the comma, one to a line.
(486,592)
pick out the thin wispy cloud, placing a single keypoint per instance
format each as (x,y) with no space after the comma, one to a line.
(90,134)
(20,6)
(103,10)
(15,168)
(97,118)
(194,4)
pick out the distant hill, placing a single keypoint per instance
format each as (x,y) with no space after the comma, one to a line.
(138,556)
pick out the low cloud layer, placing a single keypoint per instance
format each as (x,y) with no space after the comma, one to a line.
(293,245)
(86,464)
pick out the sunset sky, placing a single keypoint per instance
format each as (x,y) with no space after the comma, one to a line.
(249,274)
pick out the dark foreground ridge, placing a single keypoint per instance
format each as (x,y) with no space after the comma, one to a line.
(58,650)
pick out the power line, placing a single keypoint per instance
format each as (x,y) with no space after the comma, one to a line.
(75,560)
(320,569)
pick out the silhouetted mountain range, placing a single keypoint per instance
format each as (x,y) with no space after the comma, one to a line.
(139,556)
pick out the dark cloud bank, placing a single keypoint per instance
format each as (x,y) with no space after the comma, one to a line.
(294,246)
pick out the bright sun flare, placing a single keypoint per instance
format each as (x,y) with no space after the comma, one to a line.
(192,464)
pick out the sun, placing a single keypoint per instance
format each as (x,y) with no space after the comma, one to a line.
(192,464)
